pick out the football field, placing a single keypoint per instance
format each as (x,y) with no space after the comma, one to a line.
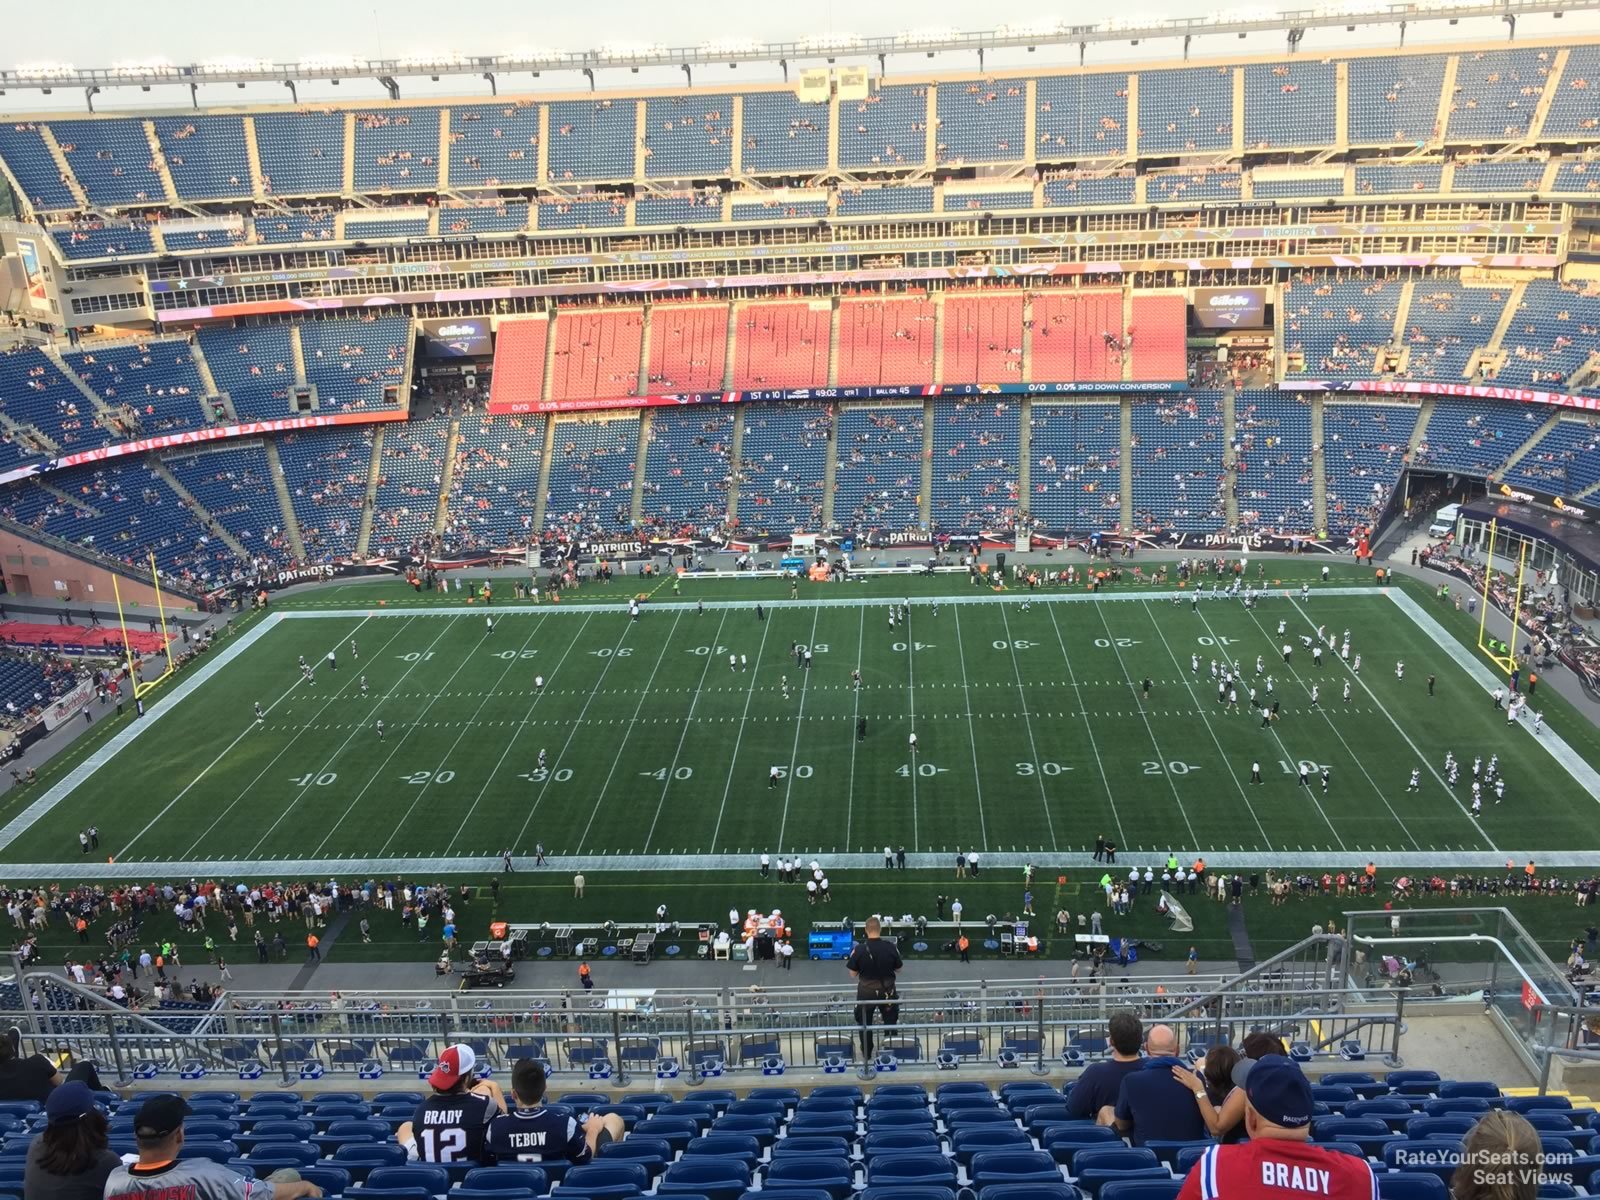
(695,737)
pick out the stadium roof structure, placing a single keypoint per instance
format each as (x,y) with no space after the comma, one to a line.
(829,48)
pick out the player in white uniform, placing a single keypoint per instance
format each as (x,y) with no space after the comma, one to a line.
(260,716)
(1416,781)
(1399,670)
(379,728)
(1347,691)
(363,685)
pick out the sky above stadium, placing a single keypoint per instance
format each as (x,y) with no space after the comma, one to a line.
(103,33)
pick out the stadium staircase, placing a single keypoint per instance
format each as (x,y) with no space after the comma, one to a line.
(291,524)
(835,322)
(158,159)
(1024,453)
(252,149)
(370,503)
(213,526)
(545,456)
(1521,451)
(47,135)
(1230,453)
(447,475)
(925,488)
(97,407)
(830,469)
(646,422)
(1419,434)
(1547,95)
(1319,468)
(297,349)
(347,175)
(1126,480)
(735,451)
(213,393)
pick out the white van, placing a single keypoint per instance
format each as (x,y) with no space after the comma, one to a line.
(1444,521)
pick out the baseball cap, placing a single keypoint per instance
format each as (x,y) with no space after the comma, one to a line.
(454,1065)
(69,1102)
(160,1115)
(1277,1089)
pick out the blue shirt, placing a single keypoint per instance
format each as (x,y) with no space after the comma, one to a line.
(1159,1107)
(1098,1087)
(533,1135)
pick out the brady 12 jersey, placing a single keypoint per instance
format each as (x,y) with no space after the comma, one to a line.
(532,1135)
(451,1127)
(1278,1169)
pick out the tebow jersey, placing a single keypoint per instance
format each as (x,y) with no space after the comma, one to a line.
(450,1127)
(532,1135)
(1278,1169)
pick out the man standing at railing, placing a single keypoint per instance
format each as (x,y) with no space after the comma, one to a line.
(873,964)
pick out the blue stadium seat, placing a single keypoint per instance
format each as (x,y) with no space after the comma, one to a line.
(1135,1189)
(1171,1152)
(332,1180)
(1401,1185)
(509,1177)
(677,1132)
(1013,1166)
(605,1175)
(651,1153)
(738,1147)
(899,1141)
(825,1147)
(908,1192)
(763,1129)
(833,1175)
(968,1143)
(715,1178)
(919,1169)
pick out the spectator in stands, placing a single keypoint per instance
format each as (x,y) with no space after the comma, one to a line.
(69,1159)
(31,1078)
(1500,1159)
(1277,1118)
(451,1125)
(1220,1103)
(1152,1105)
(158,1130)
(532,1133)
(1101,1083)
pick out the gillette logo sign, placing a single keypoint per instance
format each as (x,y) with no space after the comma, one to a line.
(447,338)
(1230,308)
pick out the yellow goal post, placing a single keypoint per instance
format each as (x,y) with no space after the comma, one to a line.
(142,687)
(1502,654)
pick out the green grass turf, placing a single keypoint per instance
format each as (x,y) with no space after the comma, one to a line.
(1032,737)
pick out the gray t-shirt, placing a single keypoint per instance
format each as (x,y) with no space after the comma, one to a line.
(39,1184)
(197,1178)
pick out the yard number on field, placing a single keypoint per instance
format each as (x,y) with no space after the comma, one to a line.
(1044,768)
(1305,764)
(541,774)
(511,655)
(1175,767)
(323,780)
(901,647)
(1119,643)
(1019,644)
(666,773)
(423,777)
(924,769)
(1216,641)
(620,652)
(416,656)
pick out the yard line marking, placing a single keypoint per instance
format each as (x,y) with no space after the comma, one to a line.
(1033,745)
(911,695)
(688,722)
(1150,731)
(1088,725)
(799,724)
(850,799)
(467,725)
(1398,729)
(226,750)
(286,746)
(1326,716)
(576,725)
(594,809)
(972,739)
(1227,765)
(288,808)
(739,737)
(527,719)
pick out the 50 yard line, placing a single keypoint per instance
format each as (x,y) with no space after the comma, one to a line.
(972,740)
(799,724)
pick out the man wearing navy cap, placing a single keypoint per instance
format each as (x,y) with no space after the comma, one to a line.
(1279,1162)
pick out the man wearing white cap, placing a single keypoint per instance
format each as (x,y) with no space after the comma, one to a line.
(449,1126)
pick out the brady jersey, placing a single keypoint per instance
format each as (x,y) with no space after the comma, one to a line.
(532,1135)
(1278,1169)
(451,1127)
